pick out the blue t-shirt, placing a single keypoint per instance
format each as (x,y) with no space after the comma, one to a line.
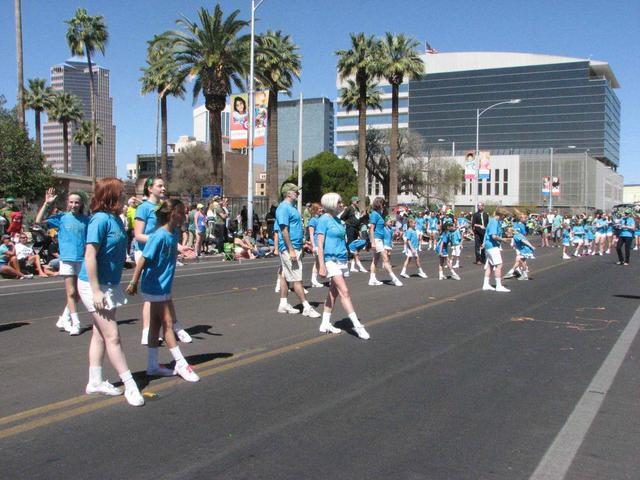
(107,231)
(3,258)
(455,237)
(462,222)
(412,237)
(387,241)
(520,245)
(520,228)
(313,223)
(420,224)
(161,253)
(590,233)
(578,231)
(147,213)
(625,232)
(442,245)
(566,236)
(433,223)
(377,221)
(335,246)
(601,225)
(493,228)
(72,235)
(287,215)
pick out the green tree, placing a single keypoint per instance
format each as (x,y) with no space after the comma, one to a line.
(191,170)
(217,55)
(22,170)
(85,35)
(37,99)
(277,64)
(65,108)
(326,172)
(162,76)
(84,136)
(350,95)
(399,59)
(361,62)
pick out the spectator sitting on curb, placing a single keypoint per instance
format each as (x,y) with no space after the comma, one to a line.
(8,262)
(27,258)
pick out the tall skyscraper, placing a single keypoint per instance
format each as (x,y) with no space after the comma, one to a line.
(72,77)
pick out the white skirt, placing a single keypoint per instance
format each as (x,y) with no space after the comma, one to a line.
(113,295)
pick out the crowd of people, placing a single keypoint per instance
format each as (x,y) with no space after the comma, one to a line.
(90,242)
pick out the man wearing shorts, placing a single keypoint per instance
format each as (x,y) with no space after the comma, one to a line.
(492,239)
(290,242)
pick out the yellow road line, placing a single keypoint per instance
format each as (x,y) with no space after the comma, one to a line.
(230,365)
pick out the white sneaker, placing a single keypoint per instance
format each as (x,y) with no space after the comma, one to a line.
(566,257)
(441,277)
(183,336)
(502,289)
(608,251)
(134,397)
(455,276)
(310,312)
(104,388)
(187,373)
(277,289)
(306,291)
(363,270)
(60,323)
(422,275)
(287,309)
(488,287)
(353,269)
(361,332)
(160,371)
(75,329)
(457,265)
(179,263)
(375,283)
(398,283)
(404,275)
(317,284)
(67,325)
(329,328)
(144,340)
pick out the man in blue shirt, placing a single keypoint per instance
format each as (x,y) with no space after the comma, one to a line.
(290,242)
(492,239)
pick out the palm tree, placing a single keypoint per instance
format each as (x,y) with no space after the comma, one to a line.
(84,136)
(361,62)
(214,52)
(85,35)
(37,99)
(162,76)
(277,64)
(17,10)
(399,59)
(65,108)
(350,95)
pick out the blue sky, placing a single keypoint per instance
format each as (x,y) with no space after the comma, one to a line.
(577,28)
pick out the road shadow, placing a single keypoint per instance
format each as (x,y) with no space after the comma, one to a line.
(201,330)
(199,358)
(346,326)
(128,321)
(10,326)
(632,297)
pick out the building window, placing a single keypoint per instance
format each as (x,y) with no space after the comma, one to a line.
(505,184)
(464,185)
(496,177)
(479,187)
(488,187)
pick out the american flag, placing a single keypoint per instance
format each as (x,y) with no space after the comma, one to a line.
(429,49)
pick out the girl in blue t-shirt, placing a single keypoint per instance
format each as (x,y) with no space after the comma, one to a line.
(411,249)
(333,264)
(566,238)
(157,266)
(432,230)
(376,236)
(72,234)
(316,211)
(99,288)
(577,234)
(524,250)
(443,249)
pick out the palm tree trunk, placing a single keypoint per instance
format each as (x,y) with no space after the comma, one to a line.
(215,131)
(163,137)
(362,140)
(94,124)
(65,142)
(88,155)
(20,99)
(272,148)
(393,157)
(38,140)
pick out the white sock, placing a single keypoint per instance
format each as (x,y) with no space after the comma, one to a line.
(403,272)
(420,270)
(152,358)
(372,277)
(129,382)
(178,357)
(65,313)
(95,375)
(354,320)
(306,304)
(74,319)
(326,318)
(394,278)
(283,301)
(145,334)
(498,282)
(511,271)
(486,282)
(314,277)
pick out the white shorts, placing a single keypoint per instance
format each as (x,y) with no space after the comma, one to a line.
(600,235)
(456,250)
(137,255)
(577,241)
(114,295)
(609,234)
(378,245)
(335,269)
(156,298)
(70,268)
(291,273)
(409,253)
(494,257)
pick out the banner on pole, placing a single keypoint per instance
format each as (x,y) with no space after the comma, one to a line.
(469,165)
(546,186)
(555,186)
(484,171)
(239,122)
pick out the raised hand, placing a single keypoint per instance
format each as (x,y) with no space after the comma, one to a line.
(50,196)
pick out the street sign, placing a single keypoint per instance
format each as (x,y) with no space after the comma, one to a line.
(208,191)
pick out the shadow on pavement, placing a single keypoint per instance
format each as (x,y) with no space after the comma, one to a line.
(201,330)
(12,325)
(632,297)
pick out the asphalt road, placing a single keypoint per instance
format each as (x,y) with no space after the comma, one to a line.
(455,383)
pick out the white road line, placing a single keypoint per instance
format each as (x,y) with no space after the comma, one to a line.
(560,455)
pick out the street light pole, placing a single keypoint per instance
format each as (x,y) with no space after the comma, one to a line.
(550,179)
(479,113)
(254,7)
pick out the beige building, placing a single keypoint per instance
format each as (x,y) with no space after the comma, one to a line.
(631,193)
